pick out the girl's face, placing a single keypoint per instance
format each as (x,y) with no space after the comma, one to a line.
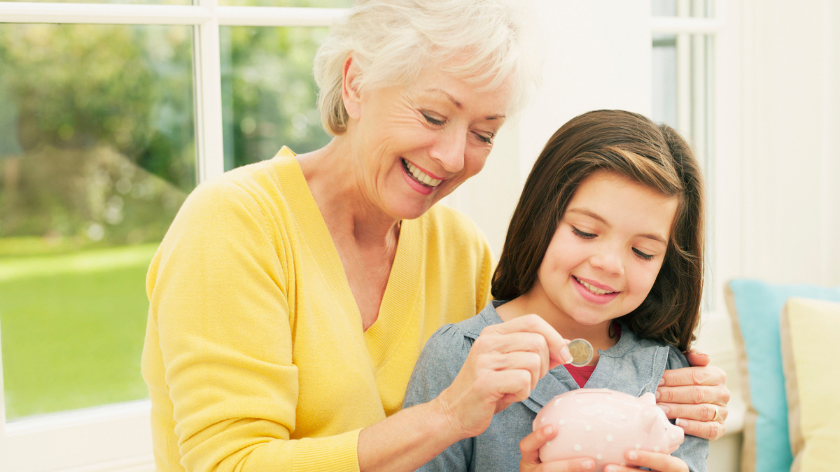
(606,251)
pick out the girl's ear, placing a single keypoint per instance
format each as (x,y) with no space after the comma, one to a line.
(349,88)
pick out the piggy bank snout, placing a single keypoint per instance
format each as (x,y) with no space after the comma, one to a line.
(676,436)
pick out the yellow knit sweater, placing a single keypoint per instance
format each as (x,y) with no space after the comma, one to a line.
(255,355)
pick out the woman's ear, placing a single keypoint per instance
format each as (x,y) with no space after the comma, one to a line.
(350,88)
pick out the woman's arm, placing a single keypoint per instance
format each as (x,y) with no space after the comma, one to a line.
(696,396)
(502,367)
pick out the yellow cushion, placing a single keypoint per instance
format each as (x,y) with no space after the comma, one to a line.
(810,353)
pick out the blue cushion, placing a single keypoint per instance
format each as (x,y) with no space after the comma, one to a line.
(758,306)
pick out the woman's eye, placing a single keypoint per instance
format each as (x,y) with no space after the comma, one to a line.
(487,139)
(642,255)
(432,120)
(583,234)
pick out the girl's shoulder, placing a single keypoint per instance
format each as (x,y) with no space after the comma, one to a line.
(676,359)
(451,343)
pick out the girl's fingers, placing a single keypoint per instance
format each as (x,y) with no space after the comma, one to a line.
(655,461)
(530,446)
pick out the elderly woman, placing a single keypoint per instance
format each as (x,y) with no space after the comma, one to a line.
(291,298)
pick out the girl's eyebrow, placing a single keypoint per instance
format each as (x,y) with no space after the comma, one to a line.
(592,214)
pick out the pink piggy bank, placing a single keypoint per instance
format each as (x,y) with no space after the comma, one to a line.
(605,424)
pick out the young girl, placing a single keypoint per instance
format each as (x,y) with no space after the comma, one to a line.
(605,244)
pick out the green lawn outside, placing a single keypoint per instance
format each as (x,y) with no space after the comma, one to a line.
(72,329)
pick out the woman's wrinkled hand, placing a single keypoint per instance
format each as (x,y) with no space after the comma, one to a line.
(503,366)
(655,461)
(530,449)
(696,396)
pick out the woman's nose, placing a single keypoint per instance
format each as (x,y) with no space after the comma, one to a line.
(449,149)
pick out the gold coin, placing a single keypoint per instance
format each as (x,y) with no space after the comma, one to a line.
(581,352)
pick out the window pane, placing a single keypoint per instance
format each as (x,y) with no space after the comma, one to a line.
(268,92)
(150,2)
(665,79)
(693,8)
(289,3)
(97,154)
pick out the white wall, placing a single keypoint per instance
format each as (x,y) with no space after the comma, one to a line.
(778,203)
(597,55)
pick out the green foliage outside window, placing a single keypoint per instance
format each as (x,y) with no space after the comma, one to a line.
(97,154)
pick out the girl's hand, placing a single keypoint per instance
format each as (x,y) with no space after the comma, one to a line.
(503,366)
(696,396)
(655,461)
(530,449)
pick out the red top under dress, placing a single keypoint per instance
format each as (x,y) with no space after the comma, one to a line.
(581,374)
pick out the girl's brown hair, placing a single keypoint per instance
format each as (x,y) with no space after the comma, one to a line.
(632,146)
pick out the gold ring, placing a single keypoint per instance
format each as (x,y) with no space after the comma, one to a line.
(717,413)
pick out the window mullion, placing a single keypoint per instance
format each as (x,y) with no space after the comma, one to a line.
(208,93)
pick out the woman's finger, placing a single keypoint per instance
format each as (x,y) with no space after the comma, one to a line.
(710,430)
(513,385)
(530,362)
(697,358)
(703,412)
(530,446)
(514,343)
(707,375)
(557,346)
(693,395)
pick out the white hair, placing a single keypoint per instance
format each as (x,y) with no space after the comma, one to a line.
(485,42)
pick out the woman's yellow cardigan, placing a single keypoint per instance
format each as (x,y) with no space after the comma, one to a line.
(255,355)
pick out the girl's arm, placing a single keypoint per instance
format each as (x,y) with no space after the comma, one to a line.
(697,396)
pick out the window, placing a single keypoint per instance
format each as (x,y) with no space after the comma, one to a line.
(119,107)
(112,114)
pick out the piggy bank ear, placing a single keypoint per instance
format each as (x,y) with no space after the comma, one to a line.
(649,398)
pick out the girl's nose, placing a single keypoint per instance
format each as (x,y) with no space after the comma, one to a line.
(609,261)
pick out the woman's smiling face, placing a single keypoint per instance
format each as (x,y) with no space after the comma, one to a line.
(607,250)
(417,143)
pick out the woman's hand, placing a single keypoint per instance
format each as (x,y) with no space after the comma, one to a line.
(530,449)
(696,396)
(503,366)
(655,461)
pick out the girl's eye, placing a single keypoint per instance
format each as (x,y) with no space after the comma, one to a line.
(642,255)
(582,234)
(432,120)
